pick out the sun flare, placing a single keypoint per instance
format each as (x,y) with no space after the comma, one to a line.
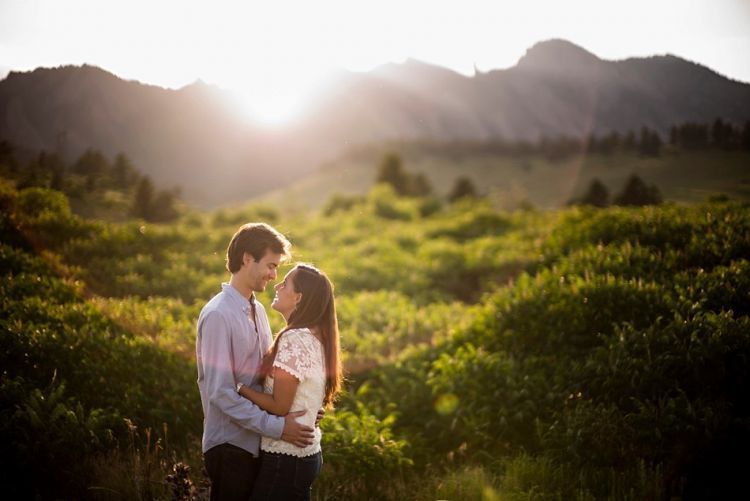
(278,95)
(270,108)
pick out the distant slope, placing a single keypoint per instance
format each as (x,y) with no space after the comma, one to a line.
(510,181)
(192,137)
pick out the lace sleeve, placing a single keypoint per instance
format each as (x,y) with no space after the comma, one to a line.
(293,356)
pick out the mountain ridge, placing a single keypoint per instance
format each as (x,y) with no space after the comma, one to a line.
(191,136)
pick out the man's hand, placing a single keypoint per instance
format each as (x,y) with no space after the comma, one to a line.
(321,413)
(295,433)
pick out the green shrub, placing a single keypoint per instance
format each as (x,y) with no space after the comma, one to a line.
(361,455)
(48,435)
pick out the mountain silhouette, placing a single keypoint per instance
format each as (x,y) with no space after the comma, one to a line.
(193,137)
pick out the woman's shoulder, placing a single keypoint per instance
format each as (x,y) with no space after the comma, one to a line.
(298,332)
(303,335)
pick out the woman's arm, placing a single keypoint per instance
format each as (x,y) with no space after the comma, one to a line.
(279,403)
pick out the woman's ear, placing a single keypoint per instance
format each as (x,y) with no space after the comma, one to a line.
(298,299)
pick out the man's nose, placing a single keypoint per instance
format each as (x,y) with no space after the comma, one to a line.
(273,274)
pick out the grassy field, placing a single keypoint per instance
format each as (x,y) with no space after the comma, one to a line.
(682,176)
(574,353)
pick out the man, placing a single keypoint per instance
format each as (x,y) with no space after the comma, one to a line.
(233,335)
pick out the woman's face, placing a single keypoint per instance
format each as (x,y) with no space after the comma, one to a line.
(286,297)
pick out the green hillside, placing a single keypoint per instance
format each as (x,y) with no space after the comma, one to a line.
(682,175)
(576,353)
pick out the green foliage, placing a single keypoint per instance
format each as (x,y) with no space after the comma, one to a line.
(477,221)
(465,483)
(95,186)
(547,365)
(143,468)
(382,326)
(362,454)
(387,205)
(49,334)
(527,477)
(579,354)
(338,202)
(46,434)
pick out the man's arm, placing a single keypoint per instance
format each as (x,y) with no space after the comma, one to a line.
(216,360)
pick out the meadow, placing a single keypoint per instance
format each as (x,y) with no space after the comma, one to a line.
(514,179)
(574,353)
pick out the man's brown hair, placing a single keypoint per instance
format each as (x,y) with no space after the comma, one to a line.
(255,239)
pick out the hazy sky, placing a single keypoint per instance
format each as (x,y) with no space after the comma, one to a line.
(275,51)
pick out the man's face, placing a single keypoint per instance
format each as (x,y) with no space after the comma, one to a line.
(261,272)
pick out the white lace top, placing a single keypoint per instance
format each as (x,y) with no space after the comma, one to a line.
(301,355)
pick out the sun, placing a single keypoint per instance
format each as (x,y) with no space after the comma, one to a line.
(269,108)
(277,96)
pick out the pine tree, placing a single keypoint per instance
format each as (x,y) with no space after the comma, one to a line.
(163,207)
(722,133)
(596,195)
(391,172)
(650,143)
(143,199)
(8,160)
(629,141)
(92,162)
(745,136)
(58,176)
(419,186)
(462,188)
(123,172)
(637,193)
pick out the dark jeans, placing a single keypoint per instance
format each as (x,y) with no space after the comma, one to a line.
(284,477)
(232,472)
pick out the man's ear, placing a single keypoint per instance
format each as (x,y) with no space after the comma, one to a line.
(247,258)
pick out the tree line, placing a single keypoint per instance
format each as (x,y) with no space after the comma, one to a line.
(88,178)
(648,142)
(391,172)
(719,134)
(644,141)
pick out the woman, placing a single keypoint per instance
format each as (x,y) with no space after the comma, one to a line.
(301,371)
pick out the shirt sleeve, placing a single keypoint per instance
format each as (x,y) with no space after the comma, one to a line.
(292,356)
(218,376)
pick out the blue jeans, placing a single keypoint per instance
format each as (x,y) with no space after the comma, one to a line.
(232,472)
(284,477)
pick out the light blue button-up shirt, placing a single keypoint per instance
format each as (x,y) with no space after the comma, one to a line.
(228,351)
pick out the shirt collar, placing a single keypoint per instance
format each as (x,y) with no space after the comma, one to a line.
(238,298)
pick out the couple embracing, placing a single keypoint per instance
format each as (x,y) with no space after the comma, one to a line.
(263,397)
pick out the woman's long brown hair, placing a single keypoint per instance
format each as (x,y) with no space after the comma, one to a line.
(316,309)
